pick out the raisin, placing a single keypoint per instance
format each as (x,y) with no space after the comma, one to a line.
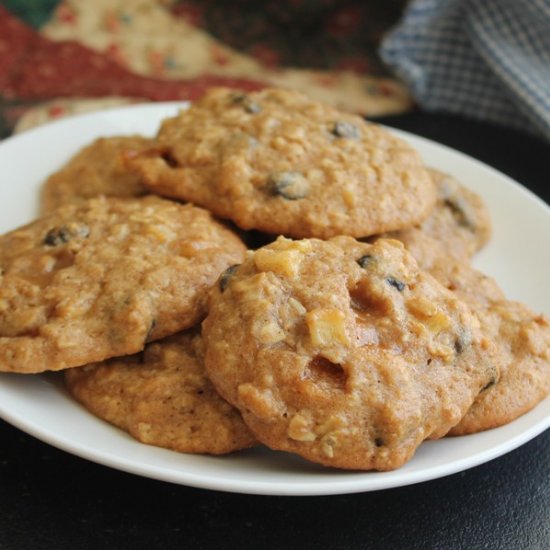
(399,285)
(63,234)
(459,214)
(365,260)
(345,130)
(57,236)
(289,185)
(462,342)
(169,159)
(460,209)
(225,277)
(247,104)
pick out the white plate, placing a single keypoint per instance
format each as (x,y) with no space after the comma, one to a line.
(518,255)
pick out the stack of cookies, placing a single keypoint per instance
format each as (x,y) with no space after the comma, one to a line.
(268,269)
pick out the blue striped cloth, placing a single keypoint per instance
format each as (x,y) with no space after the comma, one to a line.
(487,59)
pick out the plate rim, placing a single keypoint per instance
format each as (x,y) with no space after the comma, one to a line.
(333,485)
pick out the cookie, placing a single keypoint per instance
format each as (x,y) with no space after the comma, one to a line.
(98,169)
(162,397)
(279,162)
(523,342)
(522,337)
(99,279)
(460,220)
(451,268)
(343,352)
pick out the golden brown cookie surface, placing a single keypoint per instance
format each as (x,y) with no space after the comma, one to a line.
(459,220)
(97,169)
(279,162)
(522,338)
(343,352)
(452,270)
(96,280)
(162,397)
(523,342)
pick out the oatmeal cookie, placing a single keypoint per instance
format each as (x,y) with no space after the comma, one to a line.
(522,338)
(98,169)
(279,162)
(99,279)
(343,352)
(452,270)
(523,342)
(162,397)
(460,221)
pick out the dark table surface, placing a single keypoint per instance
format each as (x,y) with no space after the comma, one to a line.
(52,500)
